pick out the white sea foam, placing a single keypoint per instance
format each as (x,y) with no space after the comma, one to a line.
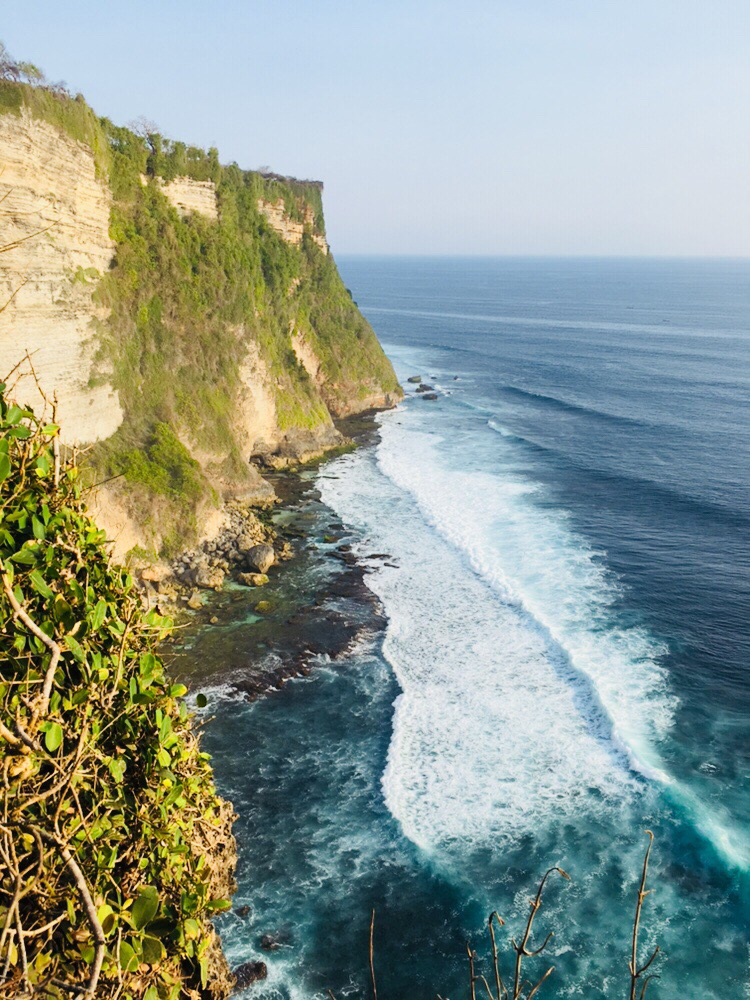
(521,694)
(493,733)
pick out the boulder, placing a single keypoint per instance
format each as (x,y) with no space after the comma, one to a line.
(154,573)
(208,577)
(248,539)
(430,395)
(263,607)
(270,942)
(414,379)
(195,601)
(425,388)
(252,579)
(262,557)
(248,973)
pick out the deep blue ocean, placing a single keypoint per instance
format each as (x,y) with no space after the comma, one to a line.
(567,651)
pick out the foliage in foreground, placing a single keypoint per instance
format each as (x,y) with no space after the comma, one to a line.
(115,850)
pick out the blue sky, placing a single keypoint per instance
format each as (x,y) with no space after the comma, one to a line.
(505,127)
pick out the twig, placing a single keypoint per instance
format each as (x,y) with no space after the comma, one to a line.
(472,977)
(521,950)
(499,984)
(372,955)
(635,972)
(54,647)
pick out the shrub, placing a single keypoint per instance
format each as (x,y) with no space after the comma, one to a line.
(115,850)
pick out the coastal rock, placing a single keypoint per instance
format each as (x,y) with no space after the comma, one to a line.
(208,577)
(263,607)
(253,579)
(270,942)
(286,551)
(195,601)
(248,973)
(262,557)
(154,573)
(414,379)
(430,395)
(423,387)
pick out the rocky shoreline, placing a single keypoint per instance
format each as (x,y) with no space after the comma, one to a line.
(277,590)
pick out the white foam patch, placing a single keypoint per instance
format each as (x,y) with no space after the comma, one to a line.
(493,733)
(521,691)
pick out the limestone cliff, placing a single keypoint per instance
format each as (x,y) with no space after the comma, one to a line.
(189,316)
(56,212)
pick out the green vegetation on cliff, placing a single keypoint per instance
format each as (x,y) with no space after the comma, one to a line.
(115,850)
(187,296)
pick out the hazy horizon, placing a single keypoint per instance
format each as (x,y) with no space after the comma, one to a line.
(504,129)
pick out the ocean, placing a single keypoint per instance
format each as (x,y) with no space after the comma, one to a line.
(564,657)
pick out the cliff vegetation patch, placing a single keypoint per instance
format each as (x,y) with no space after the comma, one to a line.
(115,850)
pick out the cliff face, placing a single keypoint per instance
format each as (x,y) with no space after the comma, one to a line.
(50,184)
(189,316)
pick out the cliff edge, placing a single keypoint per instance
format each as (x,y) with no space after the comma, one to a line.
(189,315)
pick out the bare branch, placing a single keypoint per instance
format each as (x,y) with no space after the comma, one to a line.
(372,956)
(635,972)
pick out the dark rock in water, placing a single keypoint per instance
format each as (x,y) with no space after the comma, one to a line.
(250,972)
(455,378)
(430,395)
(414,379)
(425,388)
(270,942)
(242,911)
(344,548)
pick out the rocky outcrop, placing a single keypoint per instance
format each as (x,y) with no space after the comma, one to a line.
(289,229)
(55,210)
(255,405)
(189,196)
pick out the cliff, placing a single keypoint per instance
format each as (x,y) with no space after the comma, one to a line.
(188,315)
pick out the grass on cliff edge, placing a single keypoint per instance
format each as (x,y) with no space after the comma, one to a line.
(115,850)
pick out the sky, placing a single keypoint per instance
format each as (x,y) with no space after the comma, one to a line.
(563,127)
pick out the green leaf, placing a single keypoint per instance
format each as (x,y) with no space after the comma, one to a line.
(128,958)
(116,769)
(75,648)
(14,414)
(4,467)
(19,432)
(163,757)
(145,906)
(98,617)
(53,736)
(217,905)
(39,584)
(26,557)
(152,950)
(177,691)
(37,527)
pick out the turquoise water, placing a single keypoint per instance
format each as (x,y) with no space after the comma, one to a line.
(566,650)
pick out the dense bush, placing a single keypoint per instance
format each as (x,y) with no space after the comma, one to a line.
(115,850)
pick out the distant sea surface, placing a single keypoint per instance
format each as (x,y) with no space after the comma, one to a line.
(566,657)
